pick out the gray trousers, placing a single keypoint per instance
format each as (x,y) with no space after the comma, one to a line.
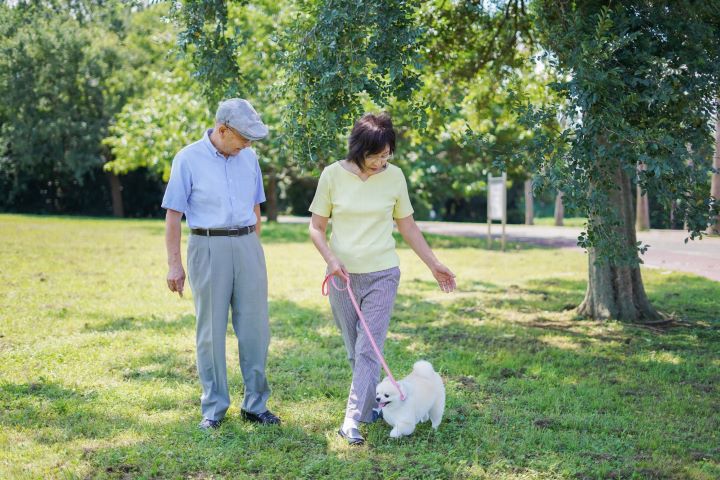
(229,273)
(375,294)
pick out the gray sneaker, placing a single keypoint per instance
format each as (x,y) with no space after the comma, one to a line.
(208,424)
(352,436)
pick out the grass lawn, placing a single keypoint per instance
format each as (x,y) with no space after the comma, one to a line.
(567,222)
(98,378)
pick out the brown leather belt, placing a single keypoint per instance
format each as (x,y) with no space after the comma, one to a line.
(223,232)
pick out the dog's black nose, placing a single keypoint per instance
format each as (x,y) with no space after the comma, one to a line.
(377,399)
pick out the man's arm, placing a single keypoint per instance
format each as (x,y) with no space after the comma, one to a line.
(258,223)
(176,273)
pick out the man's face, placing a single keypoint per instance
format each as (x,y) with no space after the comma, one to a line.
(233,142)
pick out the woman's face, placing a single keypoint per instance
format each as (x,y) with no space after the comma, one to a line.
(377,161)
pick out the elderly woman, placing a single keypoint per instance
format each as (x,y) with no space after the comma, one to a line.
(363,194)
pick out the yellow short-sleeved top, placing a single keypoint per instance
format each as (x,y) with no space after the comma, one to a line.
(362,215)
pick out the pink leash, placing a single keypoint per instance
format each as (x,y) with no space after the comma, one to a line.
(326,292)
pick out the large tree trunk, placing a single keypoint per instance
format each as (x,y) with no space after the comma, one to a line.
(559,209)
(616,291)
(715,187)
(642,210)
(116,194)
(271,207)
(529,205)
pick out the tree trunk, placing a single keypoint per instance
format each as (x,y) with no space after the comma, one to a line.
(529,206)
(559,209)
(715,186)
(617,291)
(271,207)
(642,210)
(116,193)
(673,206)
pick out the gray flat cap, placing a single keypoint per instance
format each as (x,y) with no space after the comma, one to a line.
(240,115)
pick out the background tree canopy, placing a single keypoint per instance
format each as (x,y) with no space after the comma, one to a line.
(591,98)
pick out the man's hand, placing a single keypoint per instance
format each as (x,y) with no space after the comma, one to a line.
(176,279)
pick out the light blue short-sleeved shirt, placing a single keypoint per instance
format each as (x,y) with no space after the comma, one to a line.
(211,190)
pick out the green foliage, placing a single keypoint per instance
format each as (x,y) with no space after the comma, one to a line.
(165,111)
(52,114)
(639,86)
(343,51)
(213,47)
(475,54)
(152,128)
(66,69)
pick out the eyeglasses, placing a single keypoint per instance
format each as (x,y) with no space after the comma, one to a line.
(377,156)
(237,134)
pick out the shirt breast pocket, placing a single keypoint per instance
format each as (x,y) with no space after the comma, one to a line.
(245,183)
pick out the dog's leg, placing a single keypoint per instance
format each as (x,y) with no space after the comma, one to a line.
(436,411)
(402,428)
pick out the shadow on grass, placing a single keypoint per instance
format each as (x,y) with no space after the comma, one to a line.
(55,413)
(169,366)
(538,295)
(151,322)
(537,393)
(691,297)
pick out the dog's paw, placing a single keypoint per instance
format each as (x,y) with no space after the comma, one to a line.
(395,433)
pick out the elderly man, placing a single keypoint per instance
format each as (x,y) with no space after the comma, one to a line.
(216,182)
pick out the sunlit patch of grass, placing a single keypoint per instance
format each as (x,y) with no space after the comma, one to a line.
(567,222)
(98,376)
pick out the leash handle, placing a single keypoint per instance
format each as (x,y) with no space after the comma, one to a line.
(330,279)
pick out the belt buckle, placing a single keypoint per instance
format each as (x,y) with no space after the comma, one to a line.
(234,232)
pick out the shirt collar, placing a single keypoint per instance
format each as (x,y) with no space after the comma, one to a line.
(209,144)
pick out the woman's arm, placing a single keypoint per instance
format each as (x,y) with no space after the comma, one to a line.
(414,237)
(318,235)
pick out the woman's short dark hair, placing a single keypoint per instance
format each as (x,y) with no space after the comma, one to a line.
(370,135)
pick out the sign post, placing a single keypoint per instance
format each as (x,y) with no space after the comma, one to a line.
(497,204)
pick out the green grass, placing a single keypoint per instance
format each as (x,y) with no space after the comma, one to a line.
(98,380)
(567,222)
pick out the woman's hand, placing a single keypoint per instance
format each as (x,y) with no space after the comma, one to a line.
(444,277)
(335,267)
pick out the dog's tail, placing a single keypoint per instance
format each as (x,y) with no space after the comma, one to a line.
(424,369)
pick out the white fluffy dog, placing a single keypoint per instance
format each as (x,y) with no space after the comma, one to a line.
(424,399)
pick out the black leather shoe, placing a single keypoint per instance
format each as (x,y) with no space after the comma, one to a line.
(265,418)
(352,436)
(208,424)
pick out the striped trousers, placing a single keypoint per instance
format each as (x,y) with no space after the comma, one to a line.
(375,294)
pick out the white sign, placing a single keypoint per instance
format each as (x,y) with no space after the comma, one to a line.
(496,194)
(496,205)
